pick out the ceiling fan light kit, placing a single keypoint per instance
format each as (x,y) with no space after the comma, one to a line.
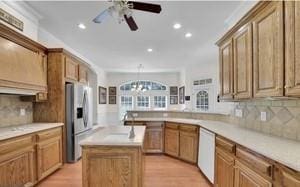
(122,10)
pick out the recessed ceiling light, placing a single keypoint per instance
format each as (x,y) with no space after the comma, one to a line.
(81,26)
(188,35)
(149,50)
(177,26)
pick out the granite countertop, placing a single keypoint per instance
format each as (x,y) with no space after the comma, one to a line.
(284,151)
(115,136)
(19,130)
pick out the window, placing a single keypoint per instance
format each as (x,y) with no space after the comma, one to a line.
(202,100)
(125,105)
(149,85)
(143,101)
(160,102)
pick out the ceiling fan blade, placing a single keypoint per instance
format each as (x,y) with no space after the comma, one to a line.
(131,23)
(102,16)
(154,8)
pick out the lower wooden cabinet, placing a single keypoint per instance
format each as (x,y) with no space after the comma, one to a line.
(49,155)
(188,144)
(224,166)
(245,177)
(154,137)
(26,160)
(172,142)
(17,162)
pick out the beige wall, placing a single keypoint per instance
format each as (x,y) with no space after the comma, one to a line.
(10,107)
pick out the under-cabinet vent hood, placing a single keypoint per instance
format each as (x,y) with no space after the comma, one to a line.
(15,91)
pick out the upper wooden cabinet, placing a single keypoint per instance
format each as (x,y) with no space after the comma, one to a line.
(226,70)
(23,62)
(268,51)
(242,62)
(83,74)
(71,69)
(292,48)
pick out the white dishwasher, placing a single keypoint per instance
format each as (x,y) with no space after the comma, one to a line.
(206,155)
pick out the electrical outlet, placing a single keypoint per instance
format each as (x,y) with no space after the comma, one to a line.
(135,115)
(165,114)
(22,112)
(263,116)
(239,113)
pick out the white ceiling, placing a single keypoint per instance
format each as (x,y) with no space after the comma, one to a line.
(114,47)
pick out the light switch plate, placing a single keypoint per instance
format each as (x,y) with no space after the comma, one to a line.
(165,114)
(135,115)
(263,116)
(239,113)
(22,112)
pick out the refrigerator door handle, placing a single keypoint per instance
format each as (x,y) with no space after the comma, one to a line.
(84,109)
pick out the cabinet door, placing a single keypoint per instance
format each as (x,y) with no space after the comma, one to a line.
(226,71)
(268,51)
(153,142)
(172,142)
(188,146)
(49,156)
(245,177)
(71,69)
(292,48)
(242,59)
(83,74)
(288,180)
(224,169)
(17,169)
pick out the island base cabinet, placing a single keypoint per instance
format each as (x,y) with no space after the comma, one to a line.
(49,156)
(224,169)
(245,177)
(17,169)
(112,166)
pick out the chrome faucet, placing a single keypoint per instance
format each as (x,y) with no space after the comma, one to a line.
(131,133)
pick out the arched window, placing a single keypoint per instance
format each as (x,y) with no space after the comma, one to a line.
(202,100)
(149,85)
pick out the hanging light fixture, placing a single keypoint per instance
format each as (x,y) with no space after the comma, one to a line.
(138,86)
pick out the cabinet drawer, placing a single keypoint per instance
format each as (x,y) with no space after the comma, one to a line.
(16,143)
(49,134)
(172,125)
(136,123)
(154,124)
(225,144)
(189,128)
(254,162)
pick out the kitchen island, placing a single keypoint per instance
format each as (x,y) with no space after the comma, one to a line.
(111,159)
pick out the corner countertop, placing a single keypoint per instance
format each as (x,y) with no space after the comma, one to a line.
(284,151)
(115,136)
(19,130)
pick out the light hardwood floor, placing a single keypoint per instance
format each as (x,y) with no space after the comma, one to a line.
(160,171)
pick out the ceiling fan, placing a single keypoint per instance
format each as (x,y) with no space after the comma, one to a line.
(122,10)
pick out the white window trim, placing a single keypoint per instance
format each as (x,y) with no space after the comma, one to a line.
(211,97)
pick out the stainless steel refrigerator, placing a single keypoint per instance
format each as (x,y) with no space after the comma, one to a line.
(78,118)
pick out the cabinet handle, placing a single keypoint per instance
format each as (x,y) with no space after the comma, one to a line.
(278,88)
(287,86)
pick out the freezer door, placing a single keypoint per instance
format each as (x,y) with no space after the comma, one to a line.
(78,138)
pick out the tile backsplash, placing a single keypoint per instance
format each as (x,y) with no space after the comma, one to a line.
(10,111)
(282,117)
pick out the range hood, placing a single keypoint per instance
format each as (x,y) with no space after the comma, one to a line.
(16,91)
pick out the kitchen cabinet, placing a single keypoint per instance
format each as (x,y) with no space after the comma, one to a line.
(71,69)
(83,74)
(49,155)
(245,177)
(188,143)
(242,63)
(224,166)
(154,137)
(23,62)
(172,140)
(292,48)
(226,70)
(26,160)
(17,162)
(268,51)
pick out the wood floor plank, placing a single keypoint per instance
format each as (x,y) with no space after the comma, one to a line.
(160,171)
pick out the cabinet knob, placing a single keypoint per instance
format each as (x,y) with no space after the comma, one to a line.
(287,86)
(278,88)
